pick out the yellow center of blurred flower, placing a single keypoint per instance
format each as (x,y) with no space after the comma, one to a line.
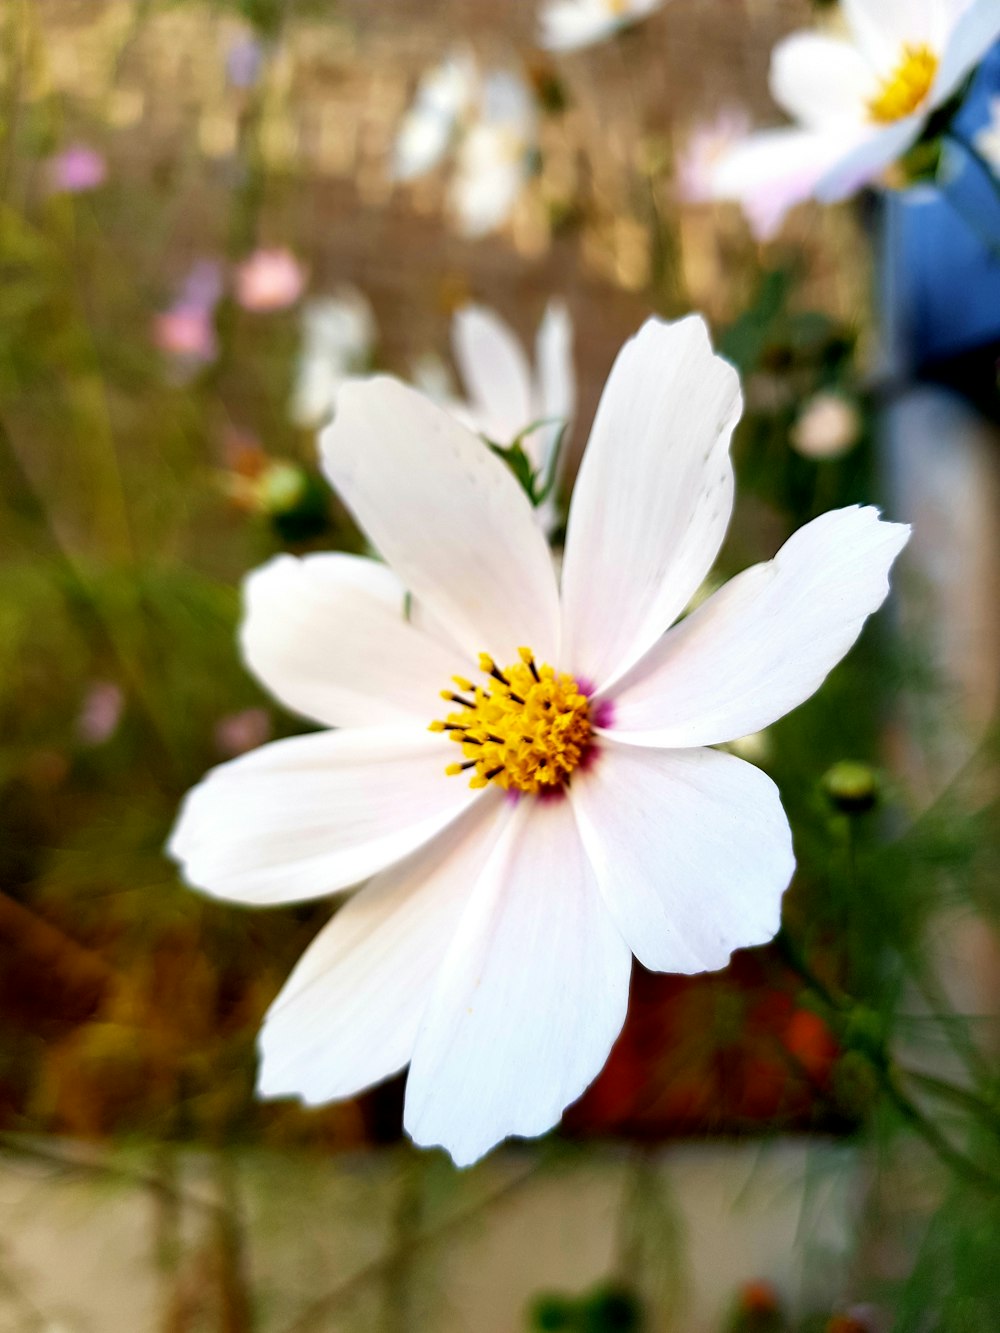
(527,729)
(905,90)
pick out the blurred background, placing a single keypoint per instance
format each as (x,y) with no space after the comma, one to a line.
(210,214)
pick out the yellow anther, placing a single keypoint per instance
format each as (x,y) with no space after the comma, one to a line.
(526,734)
(462,683)
(453,770)
(906,89)
(436,726)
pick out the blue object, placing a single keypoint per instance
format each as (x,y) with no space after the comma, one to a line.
(940,261)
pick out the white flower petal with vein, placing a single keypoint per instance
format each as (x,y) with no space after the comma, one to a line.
(859,103)
(521,778)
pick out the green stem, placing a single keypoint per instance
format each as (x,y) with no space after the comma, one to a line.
(891,1074)
(933,1137)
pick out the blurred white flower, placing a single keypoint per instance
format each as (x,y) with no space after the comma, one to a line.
(507,395)
(828,426)
(566,25)
(860,102)
(707,144)
(495,156)
(489,122)
(443,97)
(490,948)
(269,279)
(338,340)
(987,141)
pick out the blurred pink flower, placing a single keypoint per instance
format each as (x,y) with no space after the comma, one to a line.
(706,146)
(100,712)
(185,331)
(236,733)
(76,169)
(270,279)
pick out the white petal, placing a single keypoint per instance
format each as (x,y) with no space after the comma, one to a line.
(447,515)
(495,373)
(326,634)
(309,816)
(821,81)
(973,36)
(883,28)
(530,999)
(348,1015)
(556,391)
(868,159)
(691,849)
(653,498)
(772,171)
(568,25)
(766,641)
(490,173)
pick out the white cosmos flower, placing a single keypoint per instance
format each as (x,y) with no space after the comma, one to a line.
(860,102)
(567,25)
(507,395)
(443,97)
(338,339)
(490,948)
(495,156)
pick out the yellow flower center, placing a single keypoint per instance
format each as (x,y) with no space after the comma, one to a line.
(527,729)
(905,90)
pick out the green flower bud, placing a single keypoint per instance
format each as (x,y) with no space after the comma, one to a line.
(851,787)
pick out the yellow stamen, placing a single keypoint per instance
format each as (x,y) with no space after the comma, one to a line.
(906,89)
(526,730)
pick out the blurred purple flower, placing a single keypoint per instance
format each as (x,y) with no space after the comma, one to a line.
(236,733)
(76,169)
(203,285)
(243,62)
(100,713)
(269,279)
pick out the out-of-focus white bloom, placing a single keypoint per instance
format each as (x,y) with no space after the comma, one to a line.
(270,279)
(443,97)
(490,121)
(707,144)
(828,426)
(338,339)
(860,102)
(987,141)
(495,155)
(585,816)
(566,25)
(507,395)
